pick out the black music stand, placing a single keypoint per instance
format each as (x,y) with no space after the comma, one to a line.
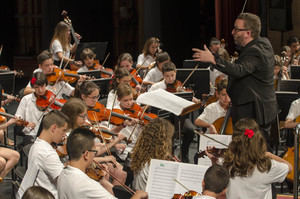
(198,82)
(292,85)
(103,84)
(295,72)
(91,73)
(7,80)
(98,47)
(190,63)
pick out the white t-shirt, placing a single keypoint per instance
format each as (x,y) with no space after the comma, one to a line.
(212,112)
(145,61)
(154,75)
(110,100)
(158,85)
(28,111)
(44,167)
(140,178)
(73,183)
(294,111)
(258,185)
(56,47)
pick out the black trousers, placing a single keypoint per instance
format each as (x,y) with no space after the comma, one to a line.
(248,111)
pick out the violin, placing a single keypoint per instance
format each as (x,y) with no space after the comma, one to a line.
(65,75)
(187,195)
(136,111)
(214,151)
(2,118)
(48,100)
(105,72)
(95,172)
(135,78)
(4,68)
(102,114)
(101,131)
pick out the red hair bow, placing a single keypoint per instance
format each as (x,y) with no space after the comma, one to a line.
(33,80)
(249,133)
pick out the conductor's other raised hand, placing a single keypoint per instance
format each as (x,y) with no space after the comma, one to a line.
(203,55)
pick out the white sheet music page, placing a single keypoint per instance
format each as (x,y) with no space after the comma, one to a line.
(205,142)
(161,183)
(164,100)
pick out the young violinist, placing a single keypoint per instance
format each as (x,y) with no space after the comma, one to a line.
(251,168)
(122,76)
(81,149)
(154,142)
(151,47)
(131,128)
(77,112)
(60,45)
(89,92)
(44,165)
(125,61)
(28,109)
(215,110)
(88,57)
(45,62)
(155,74)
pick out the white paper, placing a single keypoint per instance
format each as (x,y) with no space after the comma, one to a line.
(161,183)
(164,100)
(205,142)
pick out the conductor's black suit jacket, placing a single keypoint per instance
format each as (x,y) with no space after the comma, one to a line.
(251,80)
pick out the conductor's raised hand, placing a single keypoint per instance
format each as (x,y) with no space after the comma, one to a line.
(203,55)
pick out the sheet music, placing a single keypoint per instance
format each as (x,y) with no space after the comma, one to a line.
(161,183)
(204,142)
(164,100)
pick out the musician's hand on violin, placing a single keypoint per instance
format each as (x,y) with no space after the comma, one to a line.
(140,195)
(212,129)
(120,147)
(121,136)
(81,79)
(210,155)
(110,158)
(203,55)
(138,88)
(31,125)
(131,122)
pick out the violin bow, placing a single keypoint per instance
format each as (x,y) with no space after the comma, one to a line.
(108,54)
(101,135)
(129,190)
(178,182)
(191,73)
(217,141)
(112,107)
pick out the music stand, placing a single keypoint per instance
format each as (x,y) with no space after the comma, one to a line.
(103,84)
(295,72)
(190,63)
(198,82)
(98,47)
(284,100)
(91,73)
(7,80)
(292,85)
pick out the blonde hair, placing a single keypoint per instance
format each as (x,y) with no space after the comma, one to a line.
(244,152)
(60,34)
(154,142)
